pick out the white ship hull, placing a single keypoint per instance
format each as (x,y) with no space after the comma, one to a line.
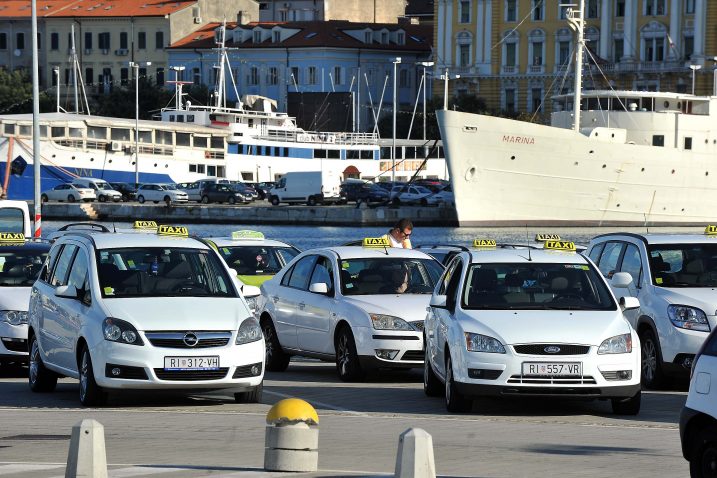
(506,172)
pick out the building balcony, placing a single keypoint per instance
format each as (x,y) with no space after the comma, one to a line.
(643,67)
(536,69)
(509,70)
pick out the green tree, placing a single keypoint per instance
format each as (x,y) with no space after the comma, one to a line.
(120,102)
(16,93)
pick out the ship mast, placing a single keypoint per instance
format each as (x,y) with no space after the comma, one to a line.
(576,20)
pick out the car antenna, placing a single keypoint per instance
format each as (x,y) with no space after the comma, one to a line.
(527,240)
(647,228)
(114,227)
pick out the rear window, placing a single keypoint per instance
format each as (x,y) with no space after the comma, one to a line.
(12,219)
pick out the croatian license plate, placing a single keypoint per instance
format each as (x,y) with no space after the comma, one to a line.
(553,369)
(191,363)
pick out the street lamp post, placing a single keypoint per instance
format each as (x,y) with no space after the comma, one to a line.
(135,67)
(425,85)
(694,69)
(393,143)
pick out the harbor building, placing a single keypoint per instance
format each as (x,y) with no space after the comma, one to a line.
(517,54)
(374,11)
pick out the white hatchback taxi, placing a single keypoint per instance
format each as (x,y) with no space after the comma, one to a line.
(141,311)
(528,322)
(362,307)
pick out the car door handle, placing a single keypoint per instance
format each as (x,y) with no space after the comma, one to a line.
(302,305)
(275,298)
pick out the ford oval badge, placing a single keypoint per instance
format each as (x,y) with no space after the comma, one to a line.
(552,349)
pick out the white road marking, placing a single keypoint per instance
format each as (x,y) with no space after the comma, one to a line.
(321,404)
(9,469)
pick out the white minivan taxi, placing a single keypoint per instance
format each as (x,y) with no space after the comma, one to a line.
(529,322)
(141,311)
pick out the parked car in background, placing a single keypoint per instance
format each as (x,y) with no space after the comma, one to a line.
(193,190)
(310,187)
(434,185)
(103,190)
(128,191)
(413,195)
(389,185)
(445,196)
(359,192)
(68,192)
(223,193)
(160,192)
(245,189)
(261,188)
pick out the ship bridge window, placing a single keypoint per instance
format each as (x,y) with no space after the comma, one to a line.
(76,132)
(200,142)
(334,153)
(43,131)
(688,142)
(217,142)
(658,140)
(9,128)
(57,131)
(184,139)
(190,118)
(25,130)
(319,154)
(119,134)
(164,137)
(180,118)
(366,154)
(95,132)
(145,136)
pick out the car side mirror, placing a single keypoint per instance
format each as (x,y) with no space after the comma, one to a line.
(66,291)
(233,272)
(621,280)
(250,290)
(629,303)
(439,302)
(319,288)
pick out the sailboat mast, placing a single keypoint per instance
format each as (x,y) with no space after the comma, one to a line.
(74,70)
(579,26)
(220,78)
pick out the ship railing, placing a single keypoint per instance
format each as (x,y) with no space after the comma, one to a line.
(320,137)
(70,143)
(645,66)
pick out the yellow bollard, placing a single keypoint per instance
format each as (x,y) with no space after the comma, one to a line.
(292,437)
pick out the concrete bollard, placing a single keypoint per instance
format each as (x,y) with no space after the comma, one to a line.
(415,455)
(87,457)
(292,437)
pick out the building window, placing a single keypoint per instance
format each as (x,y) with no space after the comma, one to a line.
(593,8)
(384,38)
(54,41)
(312,75)
(142,72)
(159,40)
(283,15)
(39,45)
(103,40)
(654,49)
(89,76)
(338,74)
(465,11)
(537,53)
(654,7)
(658,140)
(160,76)
(67,76)
(688,142)
(401,38)
(196,76)
(88,40)
(537,99)
(20,41)
(511,54)
(124,75)
(277,37)
(295,75)
(619,8)
(368,37)
(254,76)
(688,44)
(563,12)
(510,100)
(464,55)
(404,79)
(123,40)
(564,52)
(511,10)
(618,48)
(141,41)
(257,36)
(538,10)
(690,7)
(3,41)
(273,77)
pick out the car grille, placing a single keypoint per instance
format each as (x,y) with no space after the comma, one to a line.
(190,375)
(413,355)
(585,380)
(539,349)
(245,371)
(175,340)
(15,345)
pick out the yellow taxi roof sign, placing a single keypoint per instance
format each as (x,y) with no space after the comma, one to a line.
(376,242)
(484,243)
(559,246)
(12,238)
(145,225)
(711,230)
(247,234)
(547,237)
(175,231)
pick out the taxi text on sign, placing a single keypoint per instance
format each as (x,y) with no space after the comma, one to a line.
(484,243)
(560,245)
(178,231)
(711,230)
(145,225)
(376,242)
(12,238)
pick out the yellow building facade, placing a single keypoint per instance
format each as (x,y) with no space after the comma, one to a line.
(517,54)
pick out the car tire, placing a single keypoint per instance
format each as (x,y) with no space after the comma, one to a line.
(358,201)
(140,199)
(103,198)
(41,379)
(424,202)
(91,394)
(396,202)
(71,198)
(205,199)
(274,356)
(232,200)
(432,386)
(251,396)
(651,374)
(44,198)
(629,406)
(167,200)
(703,461)
(311,201)
(456,402)
(274,200)
(347,361)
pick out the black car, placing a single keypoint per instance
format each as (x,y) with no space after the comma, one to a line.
(363,192)
(129,191)
(261,188)
(220,192)
(245,189)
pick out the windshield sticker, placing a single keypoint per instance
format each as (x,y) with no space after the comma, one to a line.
(344,265)
(349,286)
(130,263)
(658,280)
(225,250)
(109,291)
(104,255)
(585,268)
(529,283)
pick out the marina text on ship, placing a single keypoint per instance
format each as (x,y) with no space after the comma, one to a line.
(518,139)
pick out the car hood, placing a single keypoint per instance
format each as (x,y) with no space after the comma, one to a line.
(179,313)
(704,298)
(409,307)
(546,326)
(15,298)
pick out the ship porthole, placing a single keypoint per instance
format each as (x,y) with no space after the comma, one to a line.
(642,170)
(470,174)
(133,163)
(604,166)
(576,163)
(512,158)
(110,161)
(707,173)
(92,159)
(155,165)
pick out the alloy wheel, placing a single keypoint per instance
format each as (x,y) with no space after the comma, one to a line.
(649,360)
(34,357)
(342,353)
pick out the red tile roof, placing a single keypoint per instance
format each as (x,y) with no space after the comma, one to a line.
(92,8)
(315,34)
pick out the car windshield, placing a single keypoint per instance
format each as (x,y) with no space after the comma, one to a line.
(104,186)
(683,265)
(257,260)
(20,266)
(392,275)
(535,286)
(162,272)
(169,187)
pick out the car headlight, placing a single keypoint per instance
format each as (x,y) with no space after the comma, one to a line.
(483,343)
(116,330)
(13,317)
(619,344)
(389,322)
(249,331)
(686,317)
(252,303)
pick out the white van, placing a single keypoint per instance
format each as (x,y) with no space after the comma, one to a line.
(15,217)
(104,191)
(310,187)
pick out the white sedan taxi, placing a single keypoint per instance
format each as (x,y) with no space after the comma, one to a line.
(141,311)
(362,307)
(529,322)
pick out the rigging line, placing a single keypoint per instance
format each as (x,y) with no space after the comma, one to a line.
(505,37)
(43,158)
(555,79)
(415,105)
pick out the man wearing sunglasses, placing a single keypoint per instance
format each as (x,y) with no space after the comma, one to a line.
(400,234)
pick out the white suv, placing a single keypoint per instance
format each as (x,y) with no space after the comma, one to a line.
(141,311)
(698,421)
(674,276)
